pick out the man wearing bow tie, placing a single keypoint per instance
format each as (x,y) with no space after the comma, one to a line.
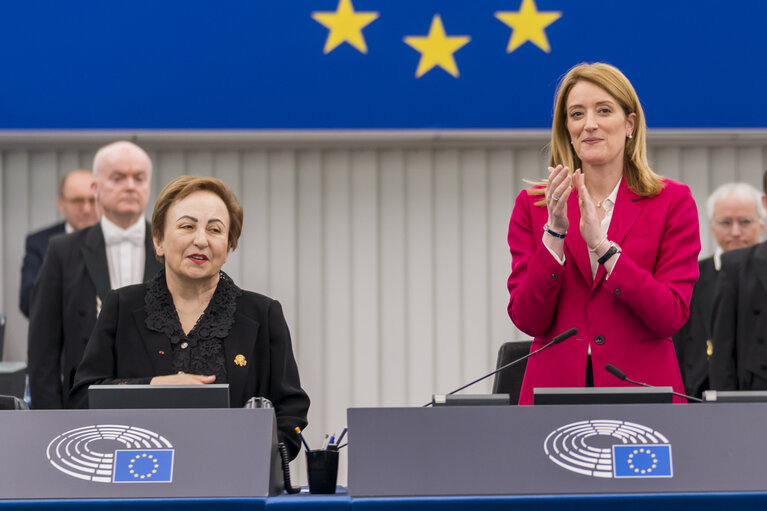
(80,269)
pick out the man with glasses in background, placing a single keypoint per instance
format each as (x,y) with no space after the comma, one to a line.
(739,327)
(78,205)
(736,218)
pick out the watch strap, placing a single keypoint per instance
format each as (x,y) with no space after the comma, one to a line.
(614,249)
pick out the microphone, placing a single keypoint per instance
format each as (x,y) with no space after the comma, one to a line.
(622,376)
(556,340)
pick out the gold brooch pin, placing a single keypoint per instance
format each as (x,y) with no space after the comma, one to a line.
(240,360)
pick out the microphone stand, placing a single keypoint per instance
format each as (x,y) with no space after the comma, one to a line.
(622,376)
(556,340)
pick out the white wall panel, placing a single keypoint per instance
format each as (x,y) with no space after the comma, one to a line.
(309,331)
(448,329)
(19,199)
(502,181)
(68,159)
(393,279)
(281,243)
(419,300)
(199,163)
(474,235)
(724,163)
(254,240)
(44,186)
(750,164)
(365,381)
(694,171)
(389,256)
(337,260)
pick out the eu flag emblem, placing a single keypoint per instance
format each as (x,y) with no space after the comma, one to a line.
(642,460)
(143,466)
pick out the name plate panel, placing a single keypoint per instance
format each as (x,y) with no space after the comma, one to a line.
(564,449)
(81,454)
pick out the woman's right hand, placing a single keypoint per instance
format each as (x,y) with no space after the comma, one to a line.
(558,190)
(183,379)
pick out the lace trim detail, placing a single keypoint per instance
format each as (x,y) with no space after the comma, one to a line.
(203,352)
(215,322)
(161,315)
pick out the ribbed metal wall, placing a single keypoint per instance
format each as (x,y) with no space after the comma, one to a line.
(389,254)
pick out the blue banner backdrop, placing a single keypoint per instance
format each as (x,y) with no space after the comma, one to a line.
(370,64)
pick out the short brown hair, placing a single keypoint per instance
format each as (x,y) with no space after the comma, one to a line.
(184,186)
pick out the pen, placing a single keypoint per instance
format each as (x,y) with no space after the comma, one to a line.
(298,430)
(325,442)
(342,435)
(332,439)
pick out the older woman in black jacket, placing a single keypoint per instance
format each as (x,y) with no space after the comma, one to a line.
(191,324)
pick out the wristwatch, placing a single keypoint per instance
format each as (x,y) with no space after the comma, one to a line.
(614,249)
(556,234)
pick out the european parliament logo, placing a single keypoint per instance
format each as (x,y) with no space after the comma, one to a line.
(610,449)
(113,453)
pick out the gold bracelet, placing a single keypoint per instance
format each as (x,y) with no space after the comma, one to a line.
(593,250)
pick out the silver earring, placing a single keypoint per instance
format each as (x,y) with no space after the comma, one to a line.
(571,142)
(631,135)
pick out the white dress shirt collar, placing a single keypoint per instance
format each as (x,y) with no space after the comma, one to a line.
(126,252)
(718,258)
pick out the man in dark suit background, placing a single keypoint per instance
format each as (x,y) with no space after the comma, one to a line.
(77,203)
(737,219)
(80,268)
(739,328)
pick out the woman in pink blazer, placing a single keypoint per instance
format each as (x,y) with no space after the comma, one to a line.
(604,245)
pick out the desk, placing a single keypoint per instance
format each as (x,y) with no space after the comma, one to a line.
(641,449)
(624,502)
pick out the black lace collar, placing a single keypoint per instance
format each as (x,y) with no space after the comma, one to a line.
(215,322)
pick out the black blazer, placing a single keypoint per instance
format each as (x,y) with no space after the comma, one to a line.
(34,252)
(692,339)
(739,330)
(73,282)
(122,347)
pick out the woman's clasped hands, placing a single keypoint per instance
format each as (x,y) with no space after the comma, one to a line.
(560,185)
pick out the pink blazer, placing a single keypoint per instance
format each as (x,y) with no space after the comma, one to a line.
(628,319)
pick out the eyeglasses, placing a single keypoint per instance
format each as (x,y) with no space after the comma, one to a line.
(727,223)
(81,201)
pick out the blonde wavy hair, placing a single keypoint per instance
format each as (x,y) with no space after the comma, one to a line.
(636,171)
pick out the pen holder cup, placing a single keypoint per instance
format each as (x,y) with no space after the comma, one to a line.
(322,468)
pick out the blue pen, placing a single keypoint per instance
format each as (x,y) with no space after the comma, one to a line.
(342,435)
(332,440)
(298,430)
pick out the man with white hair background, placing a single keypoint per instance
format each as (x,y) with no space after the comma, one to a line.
(736,216)
(80,269)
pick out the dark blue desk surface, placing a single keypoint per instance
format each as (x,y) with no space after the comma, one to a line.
(625,502)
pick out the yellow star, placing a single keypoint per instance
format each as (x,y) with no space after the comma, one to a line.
(345,26)
(527,25)
(437,48)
